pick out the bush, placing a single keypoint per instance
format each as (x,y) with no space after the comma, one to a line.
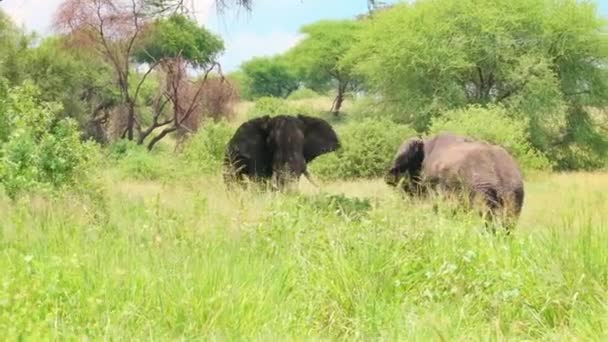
(368,147)
(38,151)
(122,148)
(136,162)
(494,125)
(218,99)
(302,93)
(584,143)
(142,165)
(205,149)
(276,106)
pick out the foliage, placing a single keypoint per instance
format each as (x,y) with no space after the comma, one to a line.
(584,143)
(269,76)
(276,106)
(179,36)
(319,56)
(494,125)
(62,75)
(134,162)
(13,43)
(302,93)
(367,148)
(205,150)
(542,59)
(38,151)
(239,81)
(175,43)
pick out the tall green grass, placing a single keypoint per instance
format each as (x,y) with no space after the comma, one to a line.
(353,261)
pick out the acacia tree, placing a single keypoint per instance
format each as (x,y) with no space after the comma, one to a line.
(112,28)
(269,76)
(142,33)
(320,55)
(177,44)
(542,60)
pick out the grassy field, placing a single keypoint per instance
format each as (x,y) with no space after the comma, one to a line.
(188,260)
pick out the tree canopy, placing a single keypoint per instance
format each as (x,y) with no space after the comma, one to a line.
(179,36)
(319,56)
(269,76)
(544,60)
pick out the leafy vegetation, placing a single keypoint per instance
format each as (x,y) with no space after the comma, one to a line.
(38,151)
(319,57)
(505,131)
(138,242)
(368,147)
(205,151)
(269,76)
(303,93)
(542,60)
(277,106)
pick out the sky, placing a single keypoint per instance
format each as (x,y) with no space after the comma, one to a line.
(271,28)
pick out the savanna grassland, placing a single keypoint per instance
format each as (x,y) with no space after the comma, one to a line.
(115,222)
(168,259)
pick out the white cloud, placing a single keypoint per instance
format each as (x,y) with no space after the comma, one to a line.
(35,15)
(202,9)
(246,45)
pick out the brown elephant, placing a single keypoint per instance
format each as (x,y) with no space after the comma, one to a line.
(277,149)
(458,164)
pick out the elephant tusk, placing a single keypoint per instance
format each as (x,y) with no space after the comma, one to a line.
(307,175)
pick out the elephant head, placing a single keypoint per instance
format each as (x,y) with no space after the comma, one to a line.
(407,164)
(278,148)
(411,157)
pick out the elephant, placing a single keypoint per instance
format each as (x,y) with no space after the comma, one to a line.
(277,149)
(458,164)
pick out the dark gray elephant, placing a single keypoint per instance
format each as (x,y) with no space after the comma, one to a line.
(459,164)
(277,149)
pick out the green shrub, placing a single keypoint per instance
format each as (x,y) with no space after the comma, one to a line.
(122,148)
(142,165)
(369,107)
(136,162)
(494,125)
(38,151)
(276,106)
(584,143)
(205,150)
(368,147)
(302,93)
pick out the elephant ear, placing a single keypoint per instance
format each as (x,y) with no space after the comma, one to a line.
(409,157)
(319,137)
(248,145)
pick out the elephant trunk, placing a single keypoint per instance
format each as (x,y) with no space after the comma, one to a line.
(307,175)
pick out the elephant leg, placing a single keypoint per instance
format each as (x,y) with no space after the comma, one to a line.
(490,205)
(511,209)
(234,171)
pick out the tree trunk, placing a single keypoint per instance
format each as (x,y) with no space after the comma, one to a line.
(130,120)
(337,104)
(160,136)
